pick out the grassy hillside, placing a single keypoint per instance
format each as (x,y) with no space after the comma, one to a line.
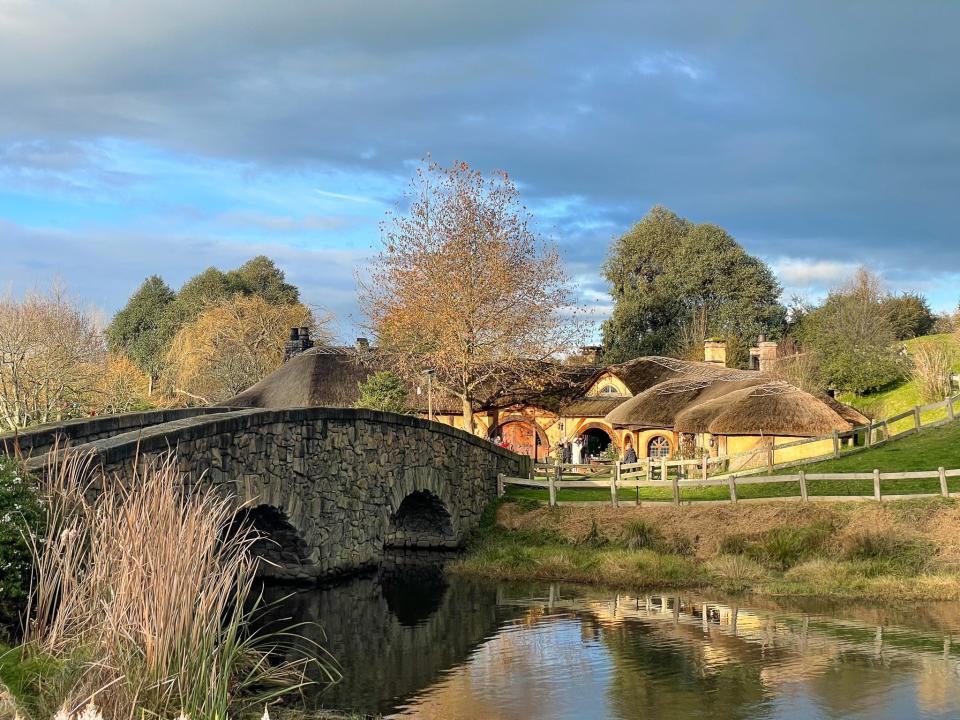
(904,395)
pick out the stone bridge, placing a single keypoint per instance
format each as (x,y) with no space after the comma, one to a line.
(330,488)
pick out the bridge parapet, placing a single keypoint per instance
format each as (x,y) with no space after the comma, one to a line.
(39,440)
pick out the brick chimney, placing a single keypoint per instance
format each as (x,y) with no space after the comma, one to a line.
(591,354)
(298,342)
(715,352)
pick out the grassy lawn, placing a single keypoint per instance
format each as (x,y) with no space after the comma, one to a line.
(925,451)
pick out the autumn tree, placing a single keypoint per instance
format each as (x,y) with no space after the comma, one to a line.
(465,287)
(232,345)
(50,359)
(121,386)
(137,330)
(676,283)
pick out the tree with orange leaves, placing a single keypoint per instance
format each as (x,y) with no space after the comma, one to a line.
(464,287)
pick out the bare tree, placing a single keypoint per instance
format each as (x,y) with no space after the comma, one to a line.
(50,356)
(466,288)
(932,364)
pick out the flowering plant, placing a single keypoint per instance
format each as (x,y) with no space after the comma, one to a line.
(21,516)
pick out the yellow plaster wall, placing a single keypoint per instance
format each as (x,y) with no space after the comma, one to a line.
(608,379)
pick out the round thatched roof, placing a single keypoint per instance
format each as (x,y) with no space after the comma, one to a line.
(764,409)
(659,406)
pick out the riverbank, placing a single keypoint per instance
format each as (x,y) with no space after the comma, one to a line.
(900,551)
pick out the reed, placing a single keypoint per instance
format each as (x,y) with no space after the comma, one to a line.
(143,597)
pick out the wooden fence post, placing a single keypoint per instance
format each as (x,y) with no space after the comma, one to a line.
(732,484)
(552,487)
(803,486)
(675,487)
(950,414)
(944,489)
(706,461)
(836,444)
(649,468)
(876,484)
(614,479)
(916,417)
(500,488)
(770,457)
(663,470)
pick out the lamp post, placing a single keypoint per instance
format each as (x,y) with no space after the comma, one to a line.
(429,374)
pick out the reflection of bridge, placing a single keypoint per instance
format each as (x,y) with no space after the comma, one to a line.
(331,487)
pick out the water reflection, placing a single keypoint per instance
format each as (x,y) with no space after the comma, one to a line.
(415,644)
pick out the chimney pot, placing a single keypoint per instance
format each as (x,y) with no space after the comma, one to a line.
(362,343)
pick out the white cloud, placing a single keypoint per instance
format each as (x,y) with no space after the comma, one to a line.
(810,273)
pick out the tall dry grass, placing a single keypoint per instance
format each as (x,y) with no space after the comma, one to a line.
(142,599)
(931,370)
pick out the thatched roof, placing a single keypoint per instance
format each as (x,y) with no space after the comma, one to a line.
(658,406)
(329,377)
(764,409)
(597,406)
(319,376)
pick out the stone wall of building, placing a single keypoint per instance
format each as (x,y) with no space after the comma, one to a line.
(334,479)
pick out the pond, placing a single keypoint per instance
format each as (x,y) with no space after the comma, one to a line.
(414,643)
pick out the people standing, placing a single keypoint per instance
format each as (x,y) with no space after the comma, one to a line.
(629,454)
(576,451)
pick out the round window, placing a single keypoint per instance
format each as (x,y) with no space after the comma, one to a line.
(658,447)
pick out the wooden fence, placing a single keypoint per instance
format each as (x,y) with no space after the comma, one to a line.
(629,476)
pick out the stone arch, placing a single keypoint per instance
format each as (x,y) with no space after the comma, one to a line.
(281,547)
(421,520)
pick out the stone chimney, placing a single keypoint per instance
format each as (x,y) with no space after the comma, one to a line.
(592,354)
(764,356)
(298,342)
(715,352)
(363,344)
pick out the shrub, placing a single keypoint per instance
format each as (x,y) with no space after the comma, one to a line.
(888,553)
(594,538)
(640,535)
(679,544)
(20,518)
(736,544)
(385,391)
(784,547)
(734,573)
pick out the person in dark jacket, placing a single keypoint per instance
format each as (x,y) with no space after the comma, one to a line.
(629,454)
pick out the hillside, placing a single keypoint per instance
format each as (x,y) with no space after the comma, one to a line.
(902,396)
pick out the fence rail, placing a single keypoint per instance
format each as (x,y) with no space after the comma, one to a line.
(620,480)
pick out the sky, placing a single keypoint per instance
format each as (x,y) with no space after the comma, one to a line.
(163,137)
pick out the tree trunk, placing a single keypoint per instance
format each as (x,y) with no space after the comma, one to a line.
(468,415)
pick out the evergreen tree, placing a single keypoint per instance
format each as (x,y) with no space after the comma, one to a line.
(136,330)
(676,283)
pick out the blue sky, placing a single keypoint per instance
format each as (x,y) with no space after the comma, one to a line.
(165,137)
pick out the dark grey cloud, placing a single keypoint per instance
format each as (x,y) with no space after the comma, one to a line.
(820,131)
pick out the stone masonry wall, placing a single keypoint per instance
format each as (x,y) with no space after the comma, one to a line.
(337,476)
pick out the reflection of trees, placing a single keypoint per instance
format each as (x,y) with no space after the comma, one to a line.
(388,646)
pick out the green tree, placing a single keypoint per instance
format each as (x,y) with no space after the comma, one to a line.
(852,337)
(910,315)
(384,390)
(676,283)
(136,330)
(260,276)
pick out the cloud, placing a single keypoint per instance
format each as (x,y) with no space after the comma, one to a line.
(283,223)
(812,273)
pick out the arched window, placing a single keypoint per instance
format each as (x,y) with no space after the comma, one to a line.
(609,390)
(658,447)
